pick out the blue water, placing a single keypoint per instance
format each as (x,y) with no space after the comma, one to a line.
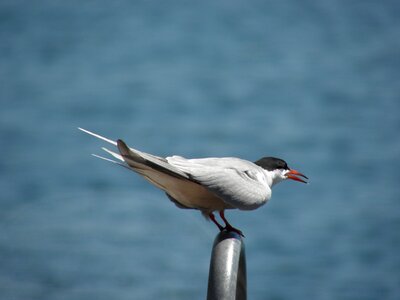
(313,82)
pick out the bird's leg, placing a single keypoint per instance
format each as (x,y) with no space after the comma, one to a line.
(212,217)
(229,227)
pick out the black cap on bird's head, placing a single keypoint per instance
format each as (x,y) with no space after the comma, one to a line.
(273,163)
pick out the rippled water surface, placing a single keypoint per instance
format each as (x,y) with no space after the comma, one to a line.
(313,82)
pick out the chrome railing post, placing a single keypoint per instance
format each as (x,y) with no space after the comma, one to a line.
(227,277)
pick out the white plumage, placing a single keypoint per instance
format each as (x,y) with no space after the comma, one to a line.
(206,184)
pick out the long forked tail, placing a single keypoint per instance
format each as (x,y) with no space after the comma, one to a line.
(136,160)
(115,155)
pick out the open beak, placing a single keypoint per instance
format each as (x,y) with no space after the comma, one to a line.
(294,175)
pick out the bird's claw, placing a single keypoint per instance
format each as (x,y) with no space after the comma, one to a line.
(230,228)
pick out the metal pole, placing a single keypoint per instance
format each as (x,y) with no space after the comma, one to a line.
(227,277)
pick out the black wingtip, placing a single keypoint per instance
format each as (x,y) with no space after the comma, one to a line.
(122,147)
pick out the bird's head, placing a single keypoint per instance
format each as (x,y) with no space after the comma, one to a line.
(279,170)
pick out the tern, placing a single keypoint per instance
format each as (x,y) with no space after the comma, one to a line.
(206,184)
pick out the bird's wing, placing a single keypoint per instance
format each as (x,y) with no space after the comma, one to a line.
(137,160)
(237,182)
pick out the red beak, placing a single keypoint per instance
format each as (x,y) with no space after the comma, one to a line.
(293,174)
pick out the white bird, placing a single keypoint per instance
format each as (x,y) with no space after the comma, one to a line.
(206,184)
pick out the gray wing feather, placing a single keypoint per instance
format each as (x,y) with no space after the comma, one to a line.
(231,179)
(135,159)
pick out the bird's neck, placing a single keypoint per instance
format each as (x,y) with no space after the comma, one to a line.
(272,177)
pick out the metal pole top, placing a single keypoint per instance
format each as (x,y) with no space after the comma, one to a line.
(227,277)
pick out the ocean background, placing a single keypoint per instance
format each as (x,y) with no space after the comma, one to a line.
(313,82)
